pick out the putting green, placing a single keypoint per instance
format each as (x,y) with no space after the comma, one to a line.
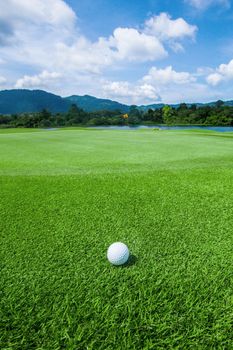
(66,195)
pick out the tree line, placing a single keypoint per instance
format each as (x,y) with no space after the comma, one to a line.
(216,114)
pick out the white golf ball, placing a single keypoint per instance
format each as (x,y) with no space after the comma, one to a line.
(118,253)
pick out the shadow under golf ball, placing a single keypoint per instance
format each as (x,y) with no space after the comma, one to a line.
(130,262)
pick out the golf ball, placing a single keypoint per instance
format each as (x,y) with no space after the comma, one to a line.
(118,253)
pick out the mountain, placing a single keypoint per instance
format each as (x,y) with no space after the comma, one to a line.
(90,104)
(145,108)
(22,101)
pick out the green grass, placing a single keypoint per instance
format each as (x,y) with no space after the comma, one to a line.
(18,130)
(66,195)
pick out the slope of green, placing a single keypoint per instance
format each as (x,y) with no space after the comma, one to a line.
(66,195)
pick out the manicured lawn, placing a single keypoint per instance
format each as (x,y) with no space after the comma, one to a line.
(66,195)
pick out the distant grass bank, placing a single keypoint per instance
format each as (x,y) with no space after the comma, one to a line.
(67,195)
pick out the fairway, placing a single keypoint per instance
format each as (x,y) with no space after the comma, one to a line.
(66,195)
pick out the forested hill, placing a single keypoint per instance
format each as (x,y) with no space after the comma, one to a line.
(26,101)
(90,104)
(154,106)
(23,101)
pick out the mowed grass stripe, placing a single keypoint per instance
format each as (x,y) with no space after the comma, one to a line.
(57,288)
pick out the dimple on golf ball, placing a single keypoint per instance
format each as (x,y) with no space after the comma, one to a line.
(118,253)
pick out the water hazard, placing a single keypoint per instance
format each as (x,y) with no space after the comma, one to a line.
(161,127)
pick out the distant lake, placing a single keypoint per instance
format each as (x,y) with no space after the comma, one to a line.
(161,127)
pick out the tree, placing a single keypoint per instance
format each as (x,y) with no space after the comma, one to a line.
(219,103)
(154,116)
(5,119)
(182,106)
(44,119)
(59,119)
(45,114)
(167,114)
(134,115)
(193,107)
(75,115)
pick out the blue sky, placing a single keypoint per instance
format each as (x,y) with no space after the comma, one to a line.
(131,51)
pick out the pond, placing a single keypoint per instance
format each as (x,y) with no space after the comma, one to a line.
(161,127)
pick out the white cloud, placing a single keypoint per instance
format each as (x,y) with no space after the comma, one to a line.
(165,28)
(135,46)
(226,69)
(83,55)
(43,35)
(130,93)
(168,76)
(125,45)
(223,73)
(57,50)
(203,4)
(157,85)
(41,80)
(170,30)
(155,91)
(40,12)
(173,86)
(214,79)
(34,29)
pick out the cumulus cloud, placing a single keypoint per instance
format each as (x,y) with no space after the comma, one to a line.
(179,86)
(170,30)
(43,35)
(41,80)
(135,93)
(223,73)
(40,12)
(174,86)
(33,30)
(214,79)
(125,45)
(157,85)
(63,48)
(203,4)
(167,83)
(164,27)
(135,46)
(168,76)
(83,55)
(155,91)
